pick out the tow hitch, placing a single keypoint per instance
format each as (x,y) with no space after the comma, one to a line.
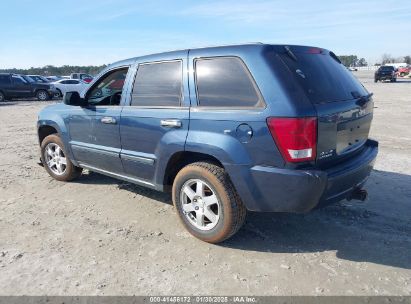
(358,194)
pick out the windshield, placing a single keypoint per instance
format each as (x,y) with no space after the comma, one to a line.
(322,76)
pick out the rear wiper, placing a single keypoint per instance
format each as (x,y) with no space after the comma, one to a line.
(290,53)
(364,99)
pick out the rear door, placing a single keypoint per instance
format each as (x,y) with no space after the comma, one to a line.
(343,105)
(154,124)
(20,87)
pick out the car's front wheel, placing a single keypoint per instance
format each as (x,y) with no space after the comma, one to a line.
(207,203)
(55,160)
(58,94)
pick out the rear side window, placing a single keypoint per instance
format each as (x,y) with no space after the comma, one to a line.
(72,82)
(158,84)
(225,82)
(4,79)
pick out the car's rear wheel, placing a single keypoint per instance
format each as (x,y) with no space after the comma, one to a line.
(42,95)
(55,160)
(207,203)
(2,97)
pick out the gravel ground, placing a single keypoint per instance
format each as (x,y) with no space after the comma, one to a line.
(100,236)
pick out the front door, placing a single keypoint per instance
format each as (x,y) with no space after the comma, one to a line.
(154,121)
(94,129)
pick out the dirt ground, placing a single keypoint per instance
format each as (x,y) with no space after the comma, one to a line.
(100,236)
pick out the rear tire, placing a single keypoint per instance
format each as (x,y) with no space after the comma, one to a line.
(2,97)
(375,80)
(207,203)
(56,161)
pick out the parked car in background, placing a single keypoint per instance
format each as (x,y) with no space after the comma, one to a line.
(53,78)
(269,128)
(21,86)
(69,85)
(39,78)
(385,72)
(404,71)
(82,76)
(353,69)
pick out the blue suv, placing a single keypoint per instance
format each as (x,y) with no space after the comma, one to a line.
(257,127)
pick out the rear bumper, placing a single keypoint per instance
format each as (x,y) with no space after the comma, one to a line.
(270,189)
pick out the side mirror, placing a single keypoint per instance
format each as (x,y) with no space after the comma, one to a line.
(73,99)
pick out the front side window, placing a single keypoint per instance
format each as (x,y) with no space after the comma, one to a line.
(158,84)
(108,89)
(225,82)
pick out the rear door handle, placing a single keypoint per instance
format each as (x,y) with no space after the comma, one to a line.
(171,123)
(108,120)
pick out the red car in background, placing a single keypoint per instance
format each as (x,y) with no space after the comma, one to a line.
(404,71)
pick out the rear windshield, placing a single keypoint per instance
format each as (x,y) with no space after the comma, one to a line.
(387,68)
(323,78)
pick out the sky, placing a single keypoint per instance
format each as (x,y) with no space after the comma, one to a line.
(94,32)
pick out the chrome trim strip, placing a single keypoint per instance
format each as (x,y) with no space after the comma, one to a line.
(104,152)
(116,175)
(139,159)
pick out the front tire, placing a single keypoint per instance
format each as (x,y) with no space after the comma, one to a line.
(55,160)
(42,95)
(58,94)
(207,203)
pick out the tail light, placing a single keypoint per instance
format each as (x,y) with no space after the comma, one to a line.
(296,138)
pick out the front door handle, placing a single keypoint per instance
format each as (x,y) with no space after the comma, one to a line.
(108,120)
(171,123)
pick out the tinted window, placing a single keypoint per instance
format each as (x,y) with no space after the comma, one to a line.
(387,68)
(322,77)
(225,82)
(72,82)
(4,79)
(18,79)
(65,82)
(158,84)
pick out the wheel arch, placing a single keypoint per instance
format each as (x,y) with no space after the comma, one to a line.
(45,130)
(181,159)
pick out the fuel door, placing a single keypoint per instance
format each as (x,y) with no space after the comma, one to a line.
(244,133)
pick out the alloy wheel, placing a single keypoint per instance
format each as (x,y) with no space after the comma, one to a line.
(200,204)
(55,159)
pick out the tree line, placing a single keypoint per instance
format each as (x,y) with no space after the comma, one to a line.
(50,70)
(354,61)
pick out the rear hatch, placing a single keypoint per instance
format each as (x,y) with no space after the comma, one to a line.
(344,107)
(386,71)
